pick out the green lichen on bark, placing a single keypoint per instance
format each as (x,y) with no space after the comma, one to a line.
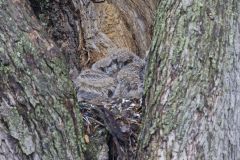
(38,104)
(191,55)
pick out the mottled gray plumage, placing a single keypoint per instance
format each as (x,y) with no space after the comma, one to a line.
(119,75)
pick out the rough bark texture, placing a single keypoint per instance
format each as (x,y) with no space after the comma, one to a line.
(39,118)
(38,114)
(193,81)
(86,29)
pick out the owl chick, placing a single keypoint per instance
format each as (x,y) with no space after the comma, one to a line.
(92,84)
(130,81)
(115,61)
(119,75)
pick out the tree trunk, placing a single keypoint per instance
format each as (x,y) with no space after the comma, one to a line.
(193,82)
(39,118)
(41,43)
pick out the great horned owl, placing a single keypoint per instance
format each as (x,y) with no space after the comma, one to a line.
(92,84)
(119,75)
(115,61)
(130,81)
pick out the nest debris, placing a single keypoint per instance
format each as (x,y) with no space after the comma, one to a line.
(121,119)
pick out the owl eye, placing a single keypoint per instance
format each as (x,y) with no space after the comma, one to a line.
(102,69)
(127,62)
(110,93)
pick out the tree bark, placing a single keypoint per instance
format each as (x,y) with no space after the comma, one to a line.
(41,42)
(39,118)
(85,30)
(192,82)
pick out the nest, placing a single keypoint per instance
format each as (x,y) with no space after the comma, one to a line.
(121,119)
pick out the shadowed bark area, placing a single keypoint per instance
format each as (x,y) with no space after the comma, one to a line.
(39,118)
(86,29)
(193,81)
